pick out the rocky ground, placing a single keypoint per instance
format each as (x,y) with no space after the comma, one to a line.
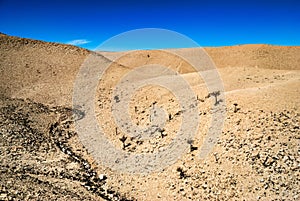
(41,158)
(256,158)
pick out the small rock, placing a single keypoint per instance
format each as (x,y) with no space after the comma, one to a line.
(102,177)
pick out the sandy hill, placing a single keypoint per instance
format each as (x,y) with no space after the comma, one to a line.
(43,157)
(262,56)
(37,69)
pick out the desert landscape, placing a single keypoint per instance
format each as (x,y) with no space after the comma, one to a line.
(256,157)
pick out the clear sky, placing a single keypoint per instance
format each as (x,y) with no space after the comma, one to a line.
(209,23)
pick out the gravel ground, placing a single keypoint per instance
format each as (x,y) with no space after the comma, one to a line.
(37,162)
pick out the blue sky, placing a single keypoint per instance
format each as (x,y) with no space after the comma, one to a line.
(209,23)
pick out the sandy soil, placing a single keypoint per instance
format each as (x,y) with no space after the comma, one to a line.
(42,157)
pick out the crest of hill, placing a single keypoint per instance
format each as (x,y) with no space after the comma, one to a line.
(19,43)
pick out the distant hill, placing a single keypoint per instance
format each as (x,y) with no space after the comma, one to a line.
(45,71)
(262,56)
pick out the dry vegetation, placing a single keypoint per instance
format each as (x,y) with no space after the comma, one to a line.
(255,158)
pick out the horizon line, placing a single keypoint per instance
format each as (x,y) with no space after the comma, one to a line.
(132,49)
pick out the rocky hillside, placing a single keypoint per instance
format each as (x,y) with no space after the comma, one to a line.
(37,69)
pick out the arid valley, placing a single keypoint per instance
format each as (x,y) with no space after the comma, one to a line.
(256,156)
